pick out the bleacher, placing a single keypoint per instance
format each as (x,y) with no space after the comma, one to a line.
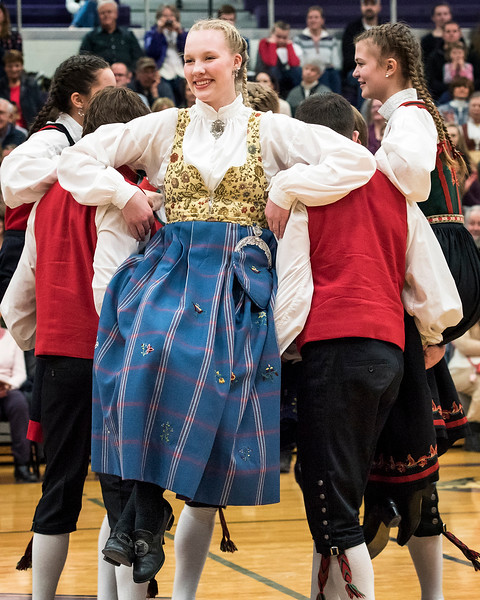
(52,13)
(338,13)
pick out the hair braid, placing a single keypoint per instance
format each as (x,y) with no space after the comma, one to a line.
(235,42)
(262,98)
(75,74)
(396,40)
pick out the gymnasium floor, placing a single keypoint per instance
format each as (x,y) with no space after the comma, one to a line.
(273,561)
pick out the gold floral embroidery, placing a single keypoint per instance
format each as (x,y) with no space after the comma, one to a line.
(239,198)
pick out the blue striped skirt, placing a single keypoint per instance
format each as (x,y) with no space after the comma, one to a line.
(186,390)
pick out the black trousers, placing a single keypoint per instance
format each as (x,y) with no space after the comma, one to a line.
(66,422)
(348,387)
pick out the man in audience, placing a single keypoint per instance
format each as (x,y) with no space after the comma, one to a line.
(369,18)
(9,134)
(472,222)
(440,15)
(149,83)
(437,59)
(109,41)
(310,84)
(123,78)
(318,45)
(280,57)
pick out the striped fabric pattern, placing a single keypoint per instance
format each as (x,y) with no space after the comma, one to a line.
(187,370)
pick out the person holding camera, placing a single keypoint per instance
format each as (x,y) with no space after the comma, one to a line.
(165,43)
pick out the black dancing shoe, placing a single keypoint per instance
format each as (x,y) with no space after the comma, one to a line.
(377,522)
(23,475)
(119,549)
(149,554)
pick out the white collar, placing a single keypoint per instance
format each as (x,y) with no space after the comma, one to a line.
(230,111)
(74,128)
(387,109)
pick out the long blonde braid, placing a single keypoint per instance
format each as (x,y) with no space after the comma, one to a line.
(396,40)
(237,45)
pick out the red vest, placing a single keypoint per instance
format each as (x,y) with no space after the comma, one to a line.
(357,253)
(66,239)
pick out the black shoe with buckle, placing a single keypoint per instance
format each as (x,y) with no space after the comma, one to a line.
(377,522)
(119,549)
(149,554)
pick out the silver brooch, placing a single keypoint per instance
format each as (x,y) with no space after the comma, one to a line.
(217,128)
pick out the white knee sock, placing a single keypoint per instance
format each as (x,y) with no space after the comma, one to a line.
(106,582)
(127,589)
(427,556)
(49,554)
(192,542)
(116,583)
(329,591)
(362,575)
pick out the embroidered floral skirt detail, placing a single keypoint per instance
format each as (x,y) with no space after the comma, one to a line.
(186,373)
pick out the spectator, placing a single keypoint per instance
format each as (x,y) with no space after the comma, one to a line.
(112,43)
(456,111)
(465,370)
(162,104)
(310,84)
(435,62)
(13,404)
(123,78)
(474,55)
(9,40)
(262,98)
(471,129)
(84,13)
(165,43)
(227,12)
(318,45)
(370,17)
(472,223)
(148,81)
(280,57)
(271,82)
(375,124)
(430,42)
(9,134)
(20,88)
(456,66)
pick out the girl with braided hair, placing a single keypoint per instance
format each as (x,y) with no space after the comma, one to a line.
(29,171)
(417,156)
(187,368)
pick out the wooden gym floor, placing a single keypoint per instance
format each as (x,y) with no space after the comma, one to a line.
(273,561)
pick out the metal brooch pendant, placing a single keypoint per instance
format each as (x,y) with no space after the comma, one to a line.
(217,128)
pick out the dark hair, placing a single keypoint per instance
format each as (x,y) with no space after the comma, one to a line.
(113,105)
(12,56)
(435,6)
(226,9)
(461,82)
(360,126)
(283,25)
(6,27)
(329,109)
(76,74)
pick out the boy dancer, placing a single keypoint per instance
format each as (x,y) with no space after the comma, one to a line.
(364,250)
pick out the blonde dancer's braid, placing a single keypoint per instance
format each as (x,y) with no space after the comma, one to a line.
(262,98)
(237,45)
(396,40)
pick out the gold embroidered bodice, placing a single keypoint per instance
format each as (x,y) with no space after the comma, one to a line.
(239,198)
